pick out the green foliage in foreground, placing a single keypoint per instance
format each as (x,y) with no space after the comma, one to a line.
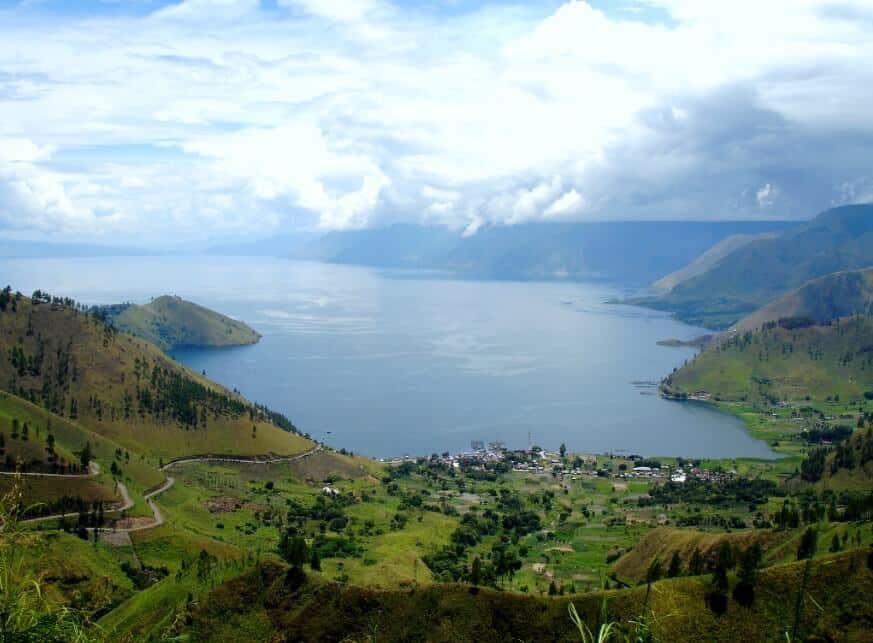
(25,614)
(271,602)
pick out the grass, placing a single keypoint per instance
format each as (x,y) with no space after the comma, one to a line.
(816,363)
(171,322)
(835,607)
(103,365)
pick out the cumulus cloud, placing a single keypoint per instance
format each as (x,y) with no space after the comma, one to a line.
(240,116)
(766,194)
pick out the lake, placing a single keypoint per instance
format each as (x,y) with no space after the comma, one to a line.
(390,364)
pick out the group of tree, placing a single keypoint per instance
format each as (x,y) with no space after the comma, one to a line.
(853,451)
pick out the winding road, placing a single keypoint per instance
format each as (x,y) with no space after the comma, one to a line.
(158,519)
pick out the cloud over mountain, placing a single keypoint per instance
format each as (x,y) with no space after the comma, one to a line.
(240,116)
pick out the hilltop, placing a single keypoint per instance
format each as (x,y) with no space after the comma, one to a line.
(837,295)
(754,274)
(171,322)
(123,388)
(788,359)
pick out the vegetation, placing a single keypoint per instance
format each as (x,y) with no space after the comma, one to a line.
(171,322)
(840,294)
(506,545)
(787,360)
(70,362)
(758,272)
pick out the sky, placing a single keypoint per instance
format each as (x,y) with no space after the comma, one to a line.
(154,122)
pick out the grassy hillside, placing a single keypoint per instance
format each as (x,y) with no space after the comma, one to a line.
(836,240)
(171,322)
(268,603)
(125,389)
(837,295)
(786,360)
(662,543)
(709,258)
(68,439)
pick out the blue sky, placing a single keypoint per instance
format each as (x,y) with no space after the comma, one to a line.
(140,121)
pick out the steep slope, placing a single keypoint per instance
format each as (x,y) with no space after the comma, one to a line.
(663,542)
(266,604)
(709,258)
(785,360)
(171,322)
(124,388)
(836,240)
(837,295)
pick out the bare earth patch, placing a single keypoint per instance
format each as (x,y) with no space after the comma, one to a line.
(223,504)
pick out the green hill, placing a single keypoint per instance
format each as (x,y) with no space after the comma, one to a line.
(268,604)
(837,295)
(123,388)
(788,359)
(709,258)
(751,276)
(171,322)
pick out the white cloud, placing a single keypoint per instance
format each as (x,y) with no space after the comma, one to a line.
(766,195)
(339,10)
(568,203)
(351,113)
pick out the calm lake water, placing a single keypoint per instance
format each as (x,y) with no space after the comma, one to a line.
(387,364)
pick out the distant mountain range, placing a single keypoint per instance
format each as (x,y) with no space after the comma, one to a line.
(10,248)
(757,272)
(631,253)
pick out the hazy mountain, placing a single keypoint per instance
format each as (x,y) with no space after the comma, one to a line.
(13,248)
(635,253)
(277,246)
(836,240)
(709,258)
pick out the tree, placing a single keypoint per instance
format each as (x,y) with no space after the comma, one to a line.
(835,544)
(204,565)
(675,567)
(750,559)
(563,450)
(655,571)
(85,455)
(808,544)
(476,571)
(695,565)
(293,549)
(315,561)
(724,560)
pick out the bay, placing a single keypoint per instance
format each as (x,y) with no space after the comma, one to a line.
(388,364)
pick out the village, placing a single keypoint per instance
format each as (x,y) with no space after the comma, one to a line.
(566,467)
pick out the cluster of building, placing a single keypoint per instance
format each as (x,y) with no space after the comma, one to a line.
(537,461)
